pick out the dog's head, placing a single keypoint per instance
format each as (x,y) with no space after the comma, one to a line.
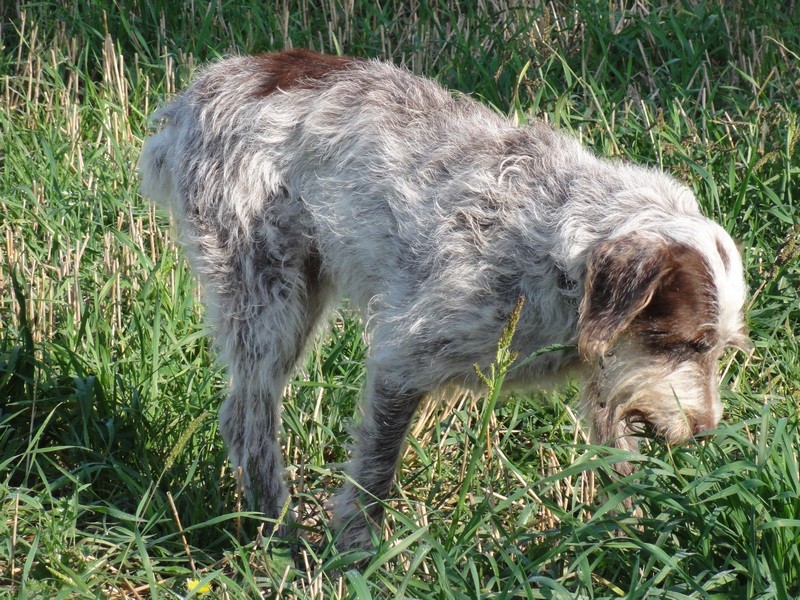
(659,309)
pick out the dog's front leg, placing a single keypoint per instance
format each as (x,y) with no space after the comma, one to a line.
(389,406)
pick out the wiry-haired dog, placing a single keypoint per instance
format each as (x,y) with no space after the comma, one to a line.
(298,178)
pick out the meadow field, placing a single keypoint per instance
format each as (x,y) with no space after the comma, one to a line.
(114,482)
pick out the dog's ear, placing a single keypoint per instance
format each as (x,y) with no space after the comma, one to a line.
(622,274)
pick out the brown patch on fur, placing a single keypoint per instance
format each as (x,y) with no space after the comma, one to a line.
(726,259)
(663,294)
(622,276)
(680,319)
(296,68)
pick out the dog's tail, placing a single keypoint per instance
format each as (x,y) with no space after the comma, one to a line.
(157,162)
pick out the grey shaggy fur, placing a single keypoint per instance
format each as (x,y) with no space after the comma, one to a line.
(295,182)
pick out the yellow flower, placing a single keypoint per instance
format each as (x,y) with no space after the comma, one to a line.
(193,585)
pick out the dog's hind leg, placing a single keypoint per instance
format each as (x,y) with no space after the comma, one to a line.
(264,319)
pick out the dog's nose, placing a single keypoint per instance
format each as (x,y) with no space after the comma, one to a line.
(702,424)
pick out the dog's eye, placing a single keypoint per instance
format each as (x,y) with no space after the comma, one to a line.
(699,346)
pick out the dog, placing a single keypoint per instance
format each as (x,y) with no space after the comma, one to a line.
(297,179)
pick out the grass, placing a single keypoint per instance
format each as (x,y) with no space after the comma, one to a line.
(113,478)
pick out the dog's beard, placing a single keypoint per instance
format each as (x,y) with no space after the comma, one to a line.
(631,394)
